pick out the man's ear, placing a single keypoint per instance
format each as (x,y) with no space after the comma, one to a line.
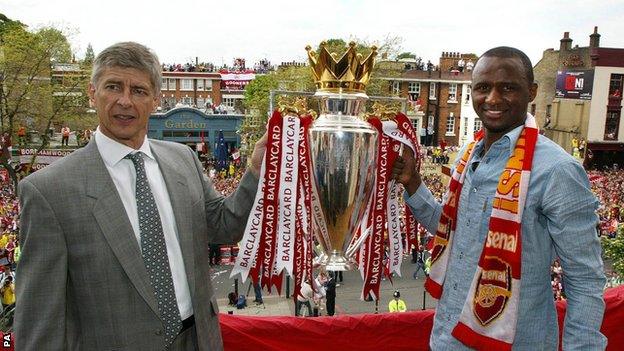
(533,91)
(91,93)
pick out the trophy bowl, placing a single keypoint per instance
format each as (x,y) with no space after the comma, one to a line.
(343,149)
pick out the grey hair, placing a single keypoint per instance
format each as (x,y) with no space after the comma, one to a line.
(128,55)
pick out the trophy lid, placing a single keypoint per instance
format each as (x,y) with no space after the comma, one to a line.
(349,74)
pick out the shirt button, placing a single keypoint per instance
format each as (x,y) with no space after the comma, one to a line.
(158,332)
(448,317)
(461,255)
(474,190)
(455,286)
(468,223)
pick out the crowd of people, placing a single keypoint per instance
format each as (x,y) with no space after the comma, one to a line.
(9,242)
(188,67)
(262,66)
(608,186)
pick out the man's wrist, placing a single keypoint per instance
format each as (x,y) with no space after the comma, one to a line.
(413,184)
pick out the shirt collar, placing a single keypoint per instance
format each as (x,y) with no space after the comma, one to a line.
(113,151)
(511,137)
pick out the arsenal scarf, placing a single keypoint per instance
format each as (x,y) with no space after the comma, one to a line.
(488,318)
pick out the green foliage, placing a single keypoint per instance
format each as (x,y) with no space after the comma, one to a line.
(30,95)
(614,250)
(404,55)
(89,55)
(256,97)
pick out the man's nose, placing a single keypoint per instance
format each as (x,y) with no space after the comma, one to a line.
(125,99)
(493,97)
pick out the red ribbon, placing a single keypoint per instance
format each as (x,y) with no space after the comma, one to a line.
(266,251)
(405,125)
(303,257)
(375,242)
(411,229)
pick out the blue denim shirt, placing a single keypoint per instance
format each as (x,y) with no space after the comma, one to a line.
(559,220)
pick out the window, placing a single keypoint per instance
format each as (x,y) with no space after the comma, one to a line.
(187,84)
(168,102)
(450,125)
(172,84)
(229,102)
(452,92)
(468,92)
(416,125)
(413,89)
(612,125)
(396,88)
(548,110)
(163,83)
(432,91)
(615,85)
(201,102)
(477,125)
(200,84)
(187,100)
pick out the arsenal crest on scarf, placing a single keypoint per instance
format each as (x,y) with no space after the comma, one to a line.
(325,195)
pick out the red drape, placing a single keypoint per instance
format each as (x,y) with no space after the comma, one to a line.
(386,331)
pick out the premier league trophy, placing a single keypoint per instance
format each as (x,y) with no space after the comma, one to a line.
(343,149)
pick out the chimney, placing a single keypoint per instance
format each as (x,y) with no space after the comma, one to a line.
(594,39)
(566,42)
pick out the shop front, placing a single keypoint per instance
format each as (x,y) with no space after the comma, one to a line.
(193,127)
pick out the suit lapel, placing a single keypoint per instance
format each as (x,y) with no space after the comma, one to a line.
(178,191)
(111,216)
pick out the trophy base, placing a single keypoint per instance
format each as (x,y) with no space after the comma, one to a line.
(337,262)
(320,260)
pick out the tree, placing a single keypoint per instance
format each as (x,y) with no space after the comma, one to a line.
(89,55)
(614,250)
(404,55)
(29,95)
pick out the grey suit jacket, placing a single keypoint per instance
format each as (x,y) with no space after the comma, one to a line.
(81,282)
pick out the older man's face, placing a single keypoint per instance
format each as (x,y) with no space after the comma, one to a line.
(124,99)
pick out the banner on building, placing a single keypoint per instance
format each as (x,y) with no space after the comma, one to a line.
(236,80)
(575,84)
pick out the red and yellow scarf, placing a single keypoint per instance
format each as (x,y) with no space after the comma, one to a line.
(488,318)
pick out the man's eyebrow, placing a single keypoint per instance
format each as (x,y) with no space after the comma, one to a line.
(112,80)
(139,85)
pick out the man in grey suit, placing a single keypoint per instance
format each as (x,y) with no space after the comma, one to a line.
(115,236)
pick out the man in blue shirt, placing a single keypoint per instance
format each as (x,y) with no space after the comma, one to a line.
(558,220)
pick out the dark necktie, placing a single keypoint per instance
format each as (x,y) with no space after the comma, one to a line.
(154,251)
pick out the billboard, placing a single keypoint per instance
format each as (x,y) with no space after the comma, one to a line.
(575,84)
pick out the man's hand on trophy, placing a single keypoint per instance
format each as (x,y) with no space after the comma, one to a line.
(404,171)
(258,154)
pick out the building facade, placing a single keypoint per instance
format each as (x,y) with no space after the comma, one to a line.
(191,126)
(580,97)
(440,99)
(190,89)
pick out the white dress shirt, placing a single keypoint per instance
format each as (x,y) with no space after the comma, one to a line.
(124,176)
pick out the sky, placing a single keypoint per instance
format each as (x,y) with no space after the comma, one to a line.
(219,31)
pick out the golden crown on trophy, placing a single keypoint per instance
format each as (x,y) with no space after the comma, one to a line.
(349,74)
